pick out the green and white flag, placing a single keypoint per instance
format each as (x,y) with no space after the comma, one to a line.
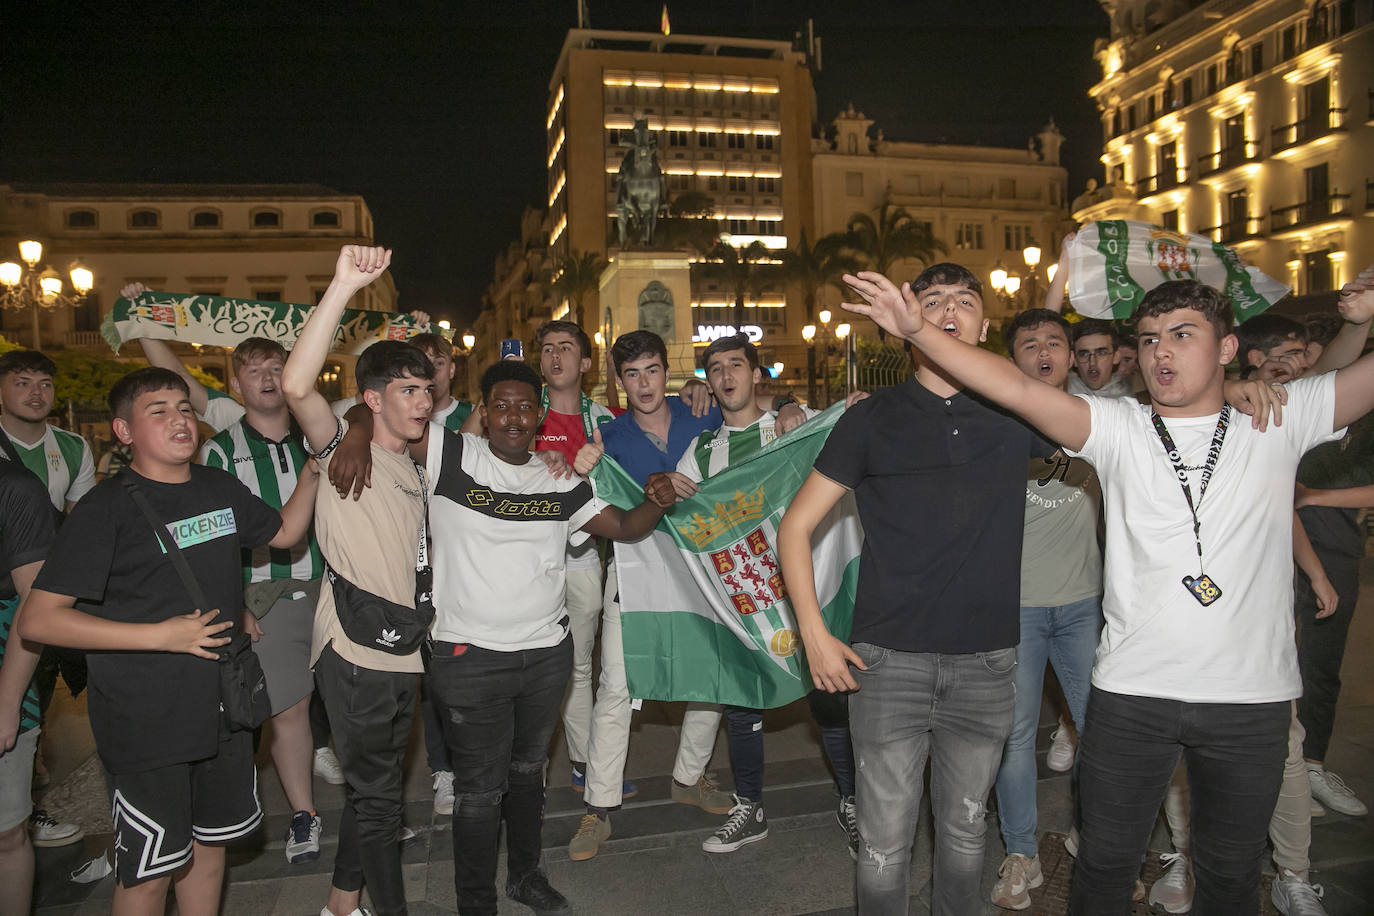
(704,611)
(1114,263)
(221,322)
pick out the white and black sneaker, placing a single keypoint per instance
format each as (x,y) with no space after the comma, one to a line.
(745,825)
(49,831)
(303,838)
(848,817)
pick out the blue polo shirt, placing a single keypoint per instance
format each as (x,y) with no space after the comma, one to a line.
(632,450)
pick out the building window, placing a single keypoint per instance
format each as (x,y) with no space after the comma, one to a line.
(1213,79)
(1316,272)
(738,226)
(677,137)
(205,219)
(854,184)
(736,141)
(1151,108)
(1257,58)
(766,185)
(1006,188)
(324,219)
(1015,236)
(680,182)
(763,141)
(713,183)
(1169,220)
(266,219)
(81,219)
(1188,90)
(613,136)
(1116,123)
(267,295)
(1288,42)
(708,139)
(968,236)
(1233,65)
(1131,118)
(738,184)
(145,219)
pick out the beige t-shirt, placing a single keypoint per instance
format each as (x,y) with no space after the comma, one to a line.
(371,542)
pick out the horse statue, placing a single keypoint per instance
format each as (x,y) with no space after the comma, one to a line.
(641,188)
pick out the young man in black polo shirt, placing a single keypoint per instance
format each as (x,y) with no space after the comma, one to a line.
(938,474)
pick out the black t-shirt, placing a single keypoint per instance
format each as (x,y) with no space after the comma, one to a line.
(940,487)
(26,522)
(1335,533)
(153,709)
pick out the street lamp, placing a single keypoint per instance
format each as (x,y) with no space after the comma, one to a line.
(809,335)
(469,341)
(25,286)
(1031,255)
(850,367)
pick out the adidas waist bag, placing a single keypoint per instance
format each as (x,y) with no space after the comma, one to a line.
(373,622)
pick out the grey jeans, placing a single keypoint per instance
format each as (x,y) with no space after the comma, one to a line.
(955,710)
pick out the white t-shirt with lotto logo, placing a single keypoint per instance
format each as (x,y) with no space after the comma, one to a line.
(1159,641)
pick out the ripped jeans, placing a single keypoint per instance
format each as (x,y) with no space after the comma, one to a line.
(957,711)
(499,710)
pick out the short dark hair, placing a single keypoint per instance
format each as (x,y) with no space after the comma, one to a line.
(255,348)
(1323,327)
(437,344)
(1267,331)
(26,361)
(729,344)
(1090,326)
(1031,319)
(1127,339)
(1173,295)
(565,327)
(387,360)
(508,370)
(634,344)
(947,274)
(126,391)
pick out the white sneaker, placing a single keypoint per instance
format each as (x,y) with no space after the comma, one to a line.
(443,792)
(49,831)
(1071,842)
(327,766)
(1331,791)
(1174,891)
(1016,877)
(1060,756)
(357,911)
(1293,896)
(1317,809)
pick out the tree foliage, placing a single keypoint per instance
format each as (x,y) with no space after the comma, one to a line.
(738,270)
(890,235)
(578,273)
(813,267)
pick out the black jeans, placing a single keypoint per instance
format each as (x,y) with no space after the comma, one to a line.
(744,731)
(499,711)
(369,714)
(436,752)
(1129,749)
(1321,647)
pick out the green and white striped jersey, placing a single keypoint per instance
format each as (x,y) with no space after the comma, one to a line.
(270,470)
(61,460)
(453,416)
(715,450)
(221,411)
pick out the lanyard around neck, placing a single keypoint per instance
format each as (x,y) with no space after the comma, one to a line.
(1176,459)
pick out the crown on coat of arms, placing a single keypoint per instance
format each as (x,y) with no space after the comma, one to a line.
(702,529)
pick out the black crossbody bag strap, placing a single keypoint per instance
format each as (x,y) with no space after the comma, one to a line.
(168,543)
(10,451)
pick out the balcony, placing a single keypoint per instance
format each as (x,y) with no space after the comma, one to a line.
(1289,220)
(1235,231)
(1313,127)
(1224,160)
(1158,184)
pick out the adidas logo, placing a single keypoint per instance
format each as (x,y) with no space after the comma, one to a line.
(389,638)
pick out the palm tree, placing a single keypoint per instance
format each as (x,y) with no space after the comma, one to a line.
(815,267)
(738,270)
(893,236)
(578,273)
(690,223)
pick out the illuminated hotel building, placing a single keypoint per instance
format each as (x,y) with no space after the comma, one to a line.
(1249,122)
(732,118)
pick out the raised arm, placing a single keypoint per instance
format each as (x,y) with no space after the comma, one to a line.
(1355,383)
(1054,298)
(1063,417)
(356,267)
(828,658)
(1350,340)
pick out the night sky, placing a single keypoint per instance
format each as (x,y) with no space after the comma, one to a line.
(434,112)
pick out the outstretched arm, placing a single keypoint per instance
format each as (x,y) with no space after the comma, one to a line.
(828,658)
(356,267)
(1054,298)
(1063,417)
(622,525)
(1355,383)
(299,509)
(159,353)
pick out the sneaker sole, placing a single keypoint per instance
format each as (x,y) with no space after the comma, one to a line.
(1022,904)
(1361,811)
(737,844)
(332,780)
(1060,767)
(300,857)
(696,803)
(53,842)
(443,810)
(584,855)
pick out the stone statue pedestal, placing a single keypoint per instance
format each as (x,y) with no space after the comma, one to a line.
(652,291)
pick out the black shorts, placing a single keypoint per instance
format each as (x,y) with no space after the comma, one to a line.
(158,813)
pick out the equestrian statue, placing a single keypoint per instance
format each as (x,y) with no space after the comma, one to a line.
(641,188)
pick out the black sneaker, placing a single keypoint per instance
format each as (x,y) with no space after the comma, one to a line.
(303,838)
(533,890)
(849,823)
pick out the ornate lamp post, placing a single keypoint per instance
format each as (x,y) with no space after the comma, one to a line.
(809,335)
(824,316)
(26,286)
(850,367)
(1031,255)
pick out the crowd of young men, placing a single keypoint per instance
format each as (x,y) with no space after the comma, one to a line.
(449,558)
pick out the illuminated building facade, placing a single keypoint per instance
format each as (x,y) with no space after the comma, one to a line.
(1249,122)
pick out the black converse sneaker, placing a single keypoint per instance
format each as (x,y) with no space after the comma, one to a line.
(745,825)
(534,891)
(849,823)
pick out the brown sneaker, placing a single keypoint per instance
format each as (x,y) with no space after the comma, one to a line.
(590,834)
(1015,880)
(705,795)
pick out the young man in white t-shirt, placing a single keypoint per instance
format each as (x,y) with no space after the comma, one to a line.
(1197,658)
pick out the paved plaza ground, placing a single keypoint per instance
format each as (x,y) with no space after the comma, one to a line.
(653,862)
